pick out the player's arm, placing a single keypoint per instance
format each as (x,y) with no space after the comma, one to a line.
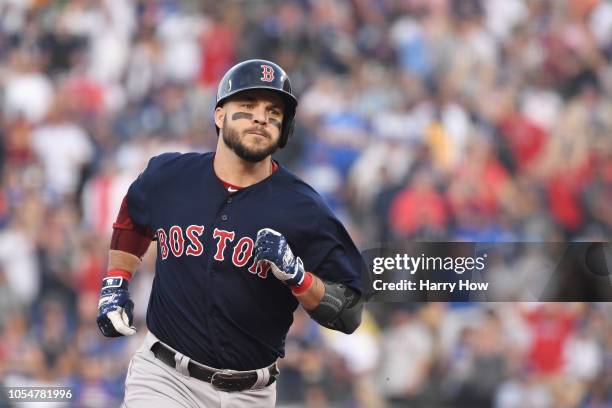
(129,243)
(310,292)
(124,261)
(331,304)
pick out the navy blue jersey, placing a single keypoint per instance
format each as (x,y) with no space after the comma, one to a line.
(209,300)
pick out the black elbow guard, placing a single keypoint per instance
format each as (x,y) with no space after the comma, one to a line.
(340,308)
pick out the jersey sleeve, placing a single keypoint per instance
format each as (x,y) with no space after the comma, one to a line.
(331,253)
(127,236)
(140,195)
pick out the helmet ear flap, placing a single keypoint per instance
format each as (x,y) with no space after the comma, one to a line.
(288,128)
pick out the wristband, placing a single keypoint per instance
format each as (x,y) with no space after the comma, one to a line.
(306,284)
(120,273)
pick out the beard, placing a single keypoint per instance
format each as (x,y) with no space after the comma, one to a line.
(232,139)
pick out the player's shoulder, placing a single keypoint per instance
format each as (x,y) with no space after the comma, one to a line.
(173,162)
(176,159)
(168,166)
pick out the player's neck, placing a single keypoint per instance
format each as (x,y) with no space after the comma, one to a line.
(236,171)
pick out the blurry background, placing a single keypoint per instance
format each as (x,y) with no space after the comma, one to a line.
(467,120)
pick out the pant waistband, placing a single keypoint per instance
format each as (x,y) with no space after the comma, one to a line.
(224,380)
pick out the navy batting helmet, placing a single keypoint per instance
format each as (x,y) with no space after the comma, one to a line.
(260,74)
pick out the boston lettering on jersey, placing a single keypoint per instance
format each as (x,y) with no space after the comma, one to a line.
(175,243)
(208,300)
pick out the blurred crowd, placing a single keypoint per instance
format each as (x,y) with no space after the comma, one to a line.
(474,120)
(503,355)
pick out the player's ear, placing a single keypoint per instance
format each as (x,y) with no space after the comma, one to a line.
(219,116)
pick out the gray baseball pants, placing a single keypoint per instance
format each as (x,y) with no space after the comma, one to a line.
(152,384)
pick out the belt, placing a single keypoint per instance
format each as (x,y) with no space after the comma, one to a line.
(224,380)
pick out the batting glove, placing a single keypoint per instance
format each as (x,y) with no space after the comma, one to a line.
(272,246)
(115,308)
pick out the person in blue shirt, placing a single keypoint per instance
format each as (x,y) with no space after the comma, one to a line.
(241,242)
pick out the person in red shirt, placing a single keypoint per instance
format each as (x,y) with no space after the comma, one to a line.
(551,325)
(419,207)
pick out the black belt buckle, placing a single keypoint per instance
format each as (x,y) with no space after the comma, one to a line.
(226,380)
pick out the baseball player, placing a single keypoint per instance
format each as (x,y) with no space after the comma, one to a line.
(240,243)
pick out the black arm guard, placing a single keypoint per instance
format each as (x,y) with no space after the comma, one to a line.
(340,308)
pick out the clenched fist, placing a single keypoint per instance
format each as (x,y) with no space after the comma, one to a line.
(115,308)
(272,246)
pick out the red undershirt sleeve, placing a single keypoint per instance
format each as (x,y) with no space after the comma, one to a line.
(129,237)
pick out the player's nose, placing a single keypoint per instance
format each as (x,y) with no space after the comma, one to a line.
(260,114)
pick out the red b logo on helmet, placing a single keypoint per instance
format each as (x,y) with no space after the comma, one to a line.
(267,73)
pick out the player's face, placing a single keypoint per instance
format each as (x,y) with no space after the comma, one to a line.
(252,124)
